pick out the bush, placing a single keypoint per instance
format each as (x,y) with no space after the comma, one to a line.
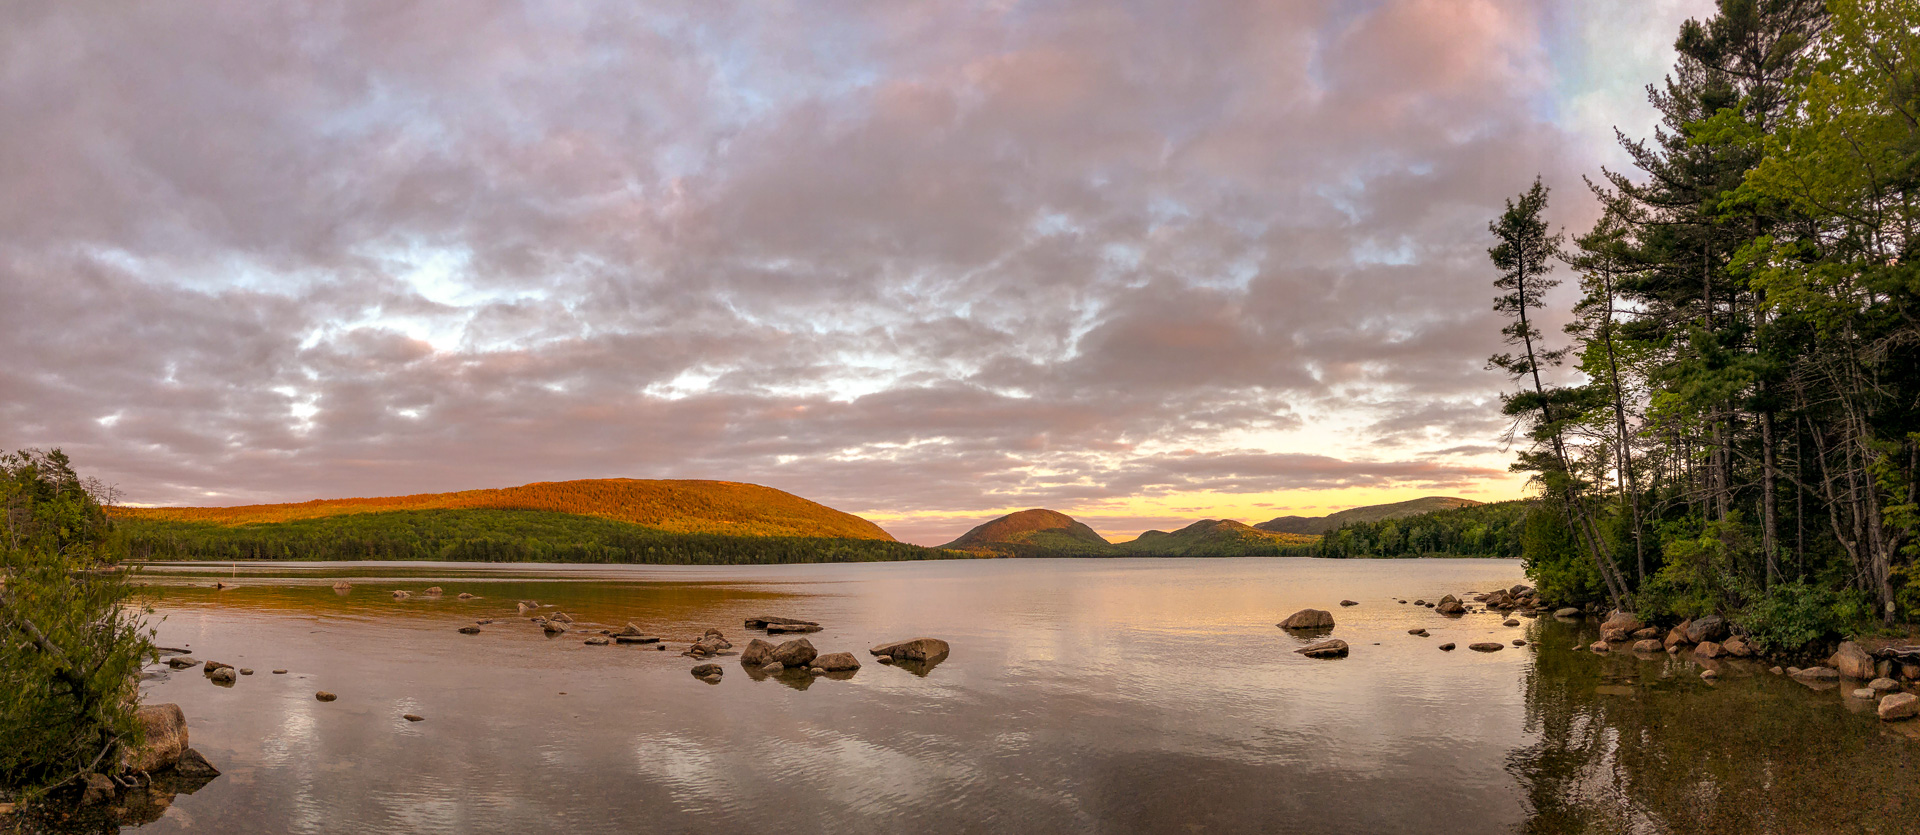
(70,652)
(1795,616)
(1558,566)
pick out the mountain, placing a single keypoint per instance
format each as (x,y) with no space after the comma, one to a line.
(1034,532)
(1215,538)
(1370,513)
(675,506)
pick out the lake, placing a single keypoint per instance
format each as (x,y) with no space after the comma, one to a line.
(1096,696)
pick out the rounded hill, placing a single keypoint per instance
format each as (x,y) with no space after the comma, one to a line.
(1030,527)
(674,505)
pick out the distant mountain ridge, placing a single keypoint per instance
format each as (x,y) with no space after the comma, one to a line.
(684,506)
(1372,513)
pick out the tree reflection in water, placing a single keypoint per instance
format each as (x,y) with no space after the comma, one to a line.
(1628,743)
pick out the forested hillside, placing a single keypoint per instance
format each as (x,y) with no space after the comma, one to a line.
(1477,530)
(488,536)
(1745,433)
(679,506)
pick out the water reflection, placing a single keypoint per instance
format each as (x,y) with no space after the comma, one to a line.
(1081,696)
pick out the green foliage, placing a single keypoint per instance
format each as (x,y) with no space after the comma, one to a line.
(1482,530)
(483,535)
(1554,561)
(70,652)
(1796,616)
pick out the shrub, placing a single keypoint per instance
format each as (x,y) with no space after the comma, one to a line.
(1795,616)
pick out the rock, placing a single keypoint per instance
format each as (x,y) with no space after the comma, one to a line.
(1883,685)
(1601,646)
(1568,612)
(598,641)
(791,628)
(222,675)
(1709,628)
(1450,605)
(469,630)
(1510,622)
(713,636)
(98,789)
(401,595)
(1305,619)
(181,662)
(325,696)
(432,590)
(772,667)
(1852,661)
(1709,674)
(1737,647)
(1420,632)
(194,764)
(708,646)
(165,727)
(465,596)
(705,670)
(1447,646)
(1519,642)
(1708,649)
(763,622)
(1643,634)
(1330,648)
(1861,693)
(1648,645)
(814,671)
(1777,671)
(1817,674)
(798,652)
(1487,646)
(1619,625)
(1520,590)
(215,665)
(553,627)
(526,606)
(1899,706)
(561,617)
(279,672)
(637,639)
(1349,602)
(757,654)
(884,659)
(341,585)
(1419,602)
(917,649)
(245,672)
(1909,671)
(413,717)
(837,662)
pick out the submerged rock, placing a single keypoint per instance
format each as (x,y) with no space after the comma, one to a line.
(469,630)
(1568,612)
(401,595)
(413,717)
(1487,646)
(1330,648)
(791,628)
(916,649)
(764,621)
(1306,619)
(432,590)
(1816,674)
(1349,602)
(181,662)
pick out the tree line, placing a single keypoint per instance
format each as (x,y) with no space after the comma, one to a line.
(1486,530)
(1744,434)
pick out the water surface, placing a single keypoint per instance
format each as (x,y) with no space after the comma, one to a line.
(1113,695)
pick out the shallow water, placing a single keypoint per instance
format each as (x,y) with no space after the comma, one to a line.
(1114,695)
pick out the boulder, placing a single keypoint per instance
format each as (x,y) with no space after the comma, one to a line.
(1305,619)
(1883,685)
(1676,637)
(1708,649)
(1519,642)
(884,659)
(223,675)
(215,665)
(325,696)
(707,646)
(165,727)
(1643,634)
(713,636)
(1709,628)
(1619,625)
(181,662)
(432,590)
(598,641)
(401,595)
(1816,674)
(1899,706)
(1487,646)
(1852,661)
(1448,646)
(192,764)
(1520,590)
(469,630)
(1349,602)
(1861,693)
(632,629)
(1510,622)
(1601,646)
(526,606)
(1419,602)
(1330,648)
(764,621)
(245,672)
(757,654)
(705,670)
(772,667)
(1450,605)
(98,788)
(917,649)
(1568,612)
(798,652)
(553,627)
(1738,647)
(1420,632)
(1648,645)
(837,662)
(561,617)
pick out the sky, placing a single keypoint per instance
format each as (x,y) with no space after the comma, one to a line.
(1142,263)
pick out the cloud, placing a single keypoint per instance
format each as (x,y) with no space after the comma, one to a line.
(913,258)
